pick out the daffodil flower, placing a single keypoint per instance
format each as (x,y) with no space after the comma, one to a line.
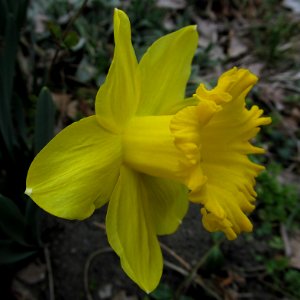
(90,161)
(147,149)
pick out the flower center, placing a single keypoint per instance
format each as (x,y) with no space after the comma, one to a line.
(187,128)
(149,146)
(170,146)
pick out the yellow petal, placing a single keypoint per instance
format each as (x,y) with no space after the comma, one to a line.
(165,70)
(168,203)
(76,171)
(117,98)
(131,231)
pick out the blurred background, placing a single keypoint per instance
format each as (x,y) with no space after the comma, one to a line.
(53,57)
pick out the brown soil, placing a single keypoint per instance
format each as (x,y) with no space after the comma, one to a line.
(74,245)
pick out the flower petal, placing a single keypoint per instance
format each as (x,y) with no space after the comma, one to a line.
(117,98)
(168,203)
(165,69)
(76,171)
(131,231)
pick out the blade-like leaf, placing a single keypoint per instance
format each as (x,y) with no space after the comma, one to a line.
(11,252)
(45,120)
(12,16)
(7,68)
(32,220)
(22,11)
(162,292)
(19,119)
(71,39)
(3,15)
(12,222)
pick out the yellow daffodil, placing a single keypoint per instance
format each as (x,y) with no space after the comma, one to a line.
(86,164)
(148,149)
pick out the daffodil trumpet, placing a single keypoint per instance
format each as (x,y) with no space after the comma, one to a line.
(147,150)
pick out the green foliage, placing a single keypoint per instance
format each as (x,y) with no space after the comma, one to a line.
(272,34)
(276,243)
(19,219)
(276,202)
(45,120)
(276,265)
(283,278)
(68,39)
(292,280)
(19,216)
(55,30)
(12,222)
(11,252)
(282,147)
(12,17)
(214,261)
(164,292)
(18,239)
(71,39)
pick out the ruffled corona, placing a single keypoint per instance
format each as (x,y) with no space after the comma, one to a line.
(216,134)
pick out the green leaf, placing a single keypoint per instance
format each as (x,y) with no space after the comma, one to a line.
(32,220)
(214,260)
(71,39)
(12,222)
(45,120)
(11,252)
(12,15)
(7,69)
(19,119)
(162,292)
(3,15)
(22,12)
(55,30)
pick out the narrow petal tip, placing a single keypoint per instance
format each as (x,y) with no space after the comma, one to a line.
(192,27)
(192,30)
(28,191)
(120,14)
